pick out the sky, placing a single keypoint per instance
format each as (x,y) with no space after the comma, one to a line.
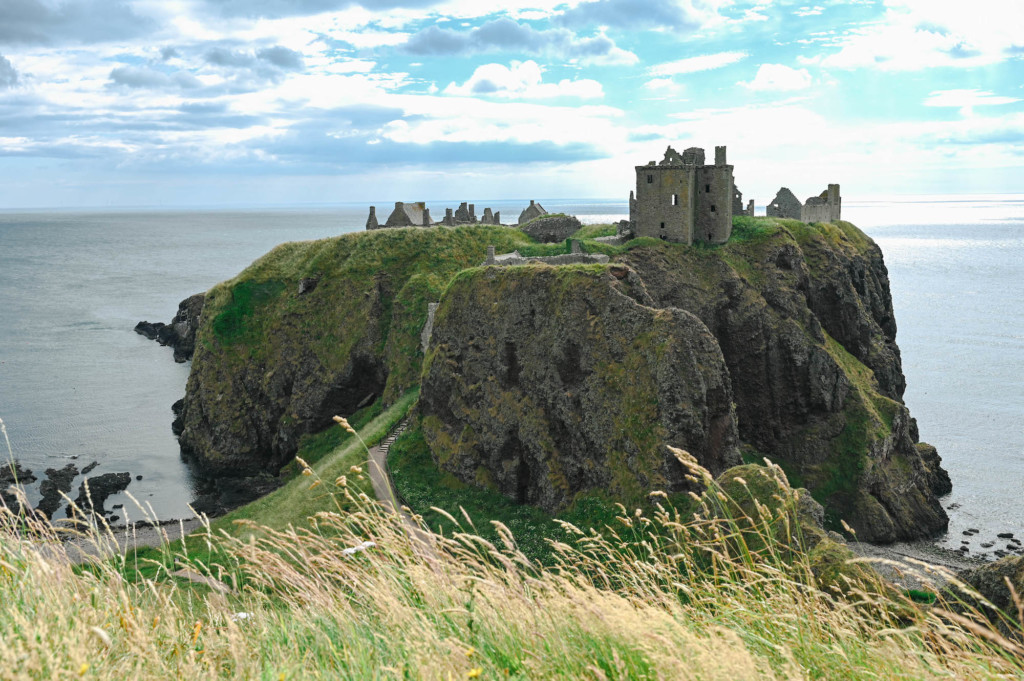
(181,103)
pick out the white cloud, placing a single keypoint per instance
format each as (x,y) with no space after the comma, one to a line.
(809,11)
(704,62)
(779,78)
(665,87)
(919,34)
(966,99)
(522,80)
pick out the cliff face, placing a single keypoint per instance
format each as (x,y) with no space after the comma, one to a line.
(804,319)
(545,382)
(312,330)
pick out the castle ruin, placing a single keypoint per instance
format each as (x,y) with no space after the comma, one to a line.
(683,200)
(531,212)
(416,214)
(826,207)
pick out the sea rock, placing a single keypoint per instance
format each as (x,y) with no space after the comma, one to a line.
(178,425)
(991,582)
(217,496)
(180,334)
(149,329)
(56,483)
(13,474)
(552,228)
(545,382)
(831,415)
(93,492)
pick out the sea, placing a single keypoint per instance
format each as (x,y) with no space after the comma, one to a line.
(78,385)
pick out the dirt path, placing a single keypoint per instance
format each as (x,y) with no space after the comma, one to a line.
(384,488)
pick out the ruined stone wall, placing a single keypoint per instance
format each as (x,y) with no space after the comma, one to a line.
(371,220)
(531,212)
(713,216)
(784,205)
(664,202)
(823,208)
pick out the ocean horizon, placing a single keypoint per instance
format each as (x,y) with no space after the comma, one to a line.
(78,385)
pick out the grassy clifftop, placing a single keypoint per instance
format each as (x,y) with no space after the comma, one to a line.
(315,329)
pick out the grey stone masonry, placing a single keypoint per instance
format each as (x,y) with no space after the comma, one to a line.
(413,214)
(463,216)
(371,222)
(784,205)
(825,207)
(683,200)
(449,218)
(574,258)
(531,212)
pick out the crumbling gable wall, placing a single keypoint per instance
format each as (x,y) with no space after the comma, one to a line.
(412,214)
(531,212)
(784,205)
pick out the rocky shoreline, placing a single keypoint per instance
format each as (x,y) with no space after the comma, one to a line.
(180,333)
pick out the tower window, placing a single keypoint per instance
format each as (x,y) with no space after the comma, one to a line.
(650,179)
(707,188)
(675,199)
(712,209)
(663,225)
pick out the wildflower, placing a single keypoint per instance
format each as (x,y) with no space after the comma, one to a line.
(195,631)
(470,652)
(343,422)
(83,669)
(475,672)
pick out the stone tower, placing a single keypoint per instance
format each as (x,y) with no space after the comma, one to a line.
(683,200)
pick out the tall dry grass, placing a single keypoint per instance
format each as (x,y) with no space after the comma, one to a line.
(718,596)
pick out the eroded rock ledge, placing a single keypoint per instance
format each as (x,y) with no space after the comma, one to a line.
(545,382)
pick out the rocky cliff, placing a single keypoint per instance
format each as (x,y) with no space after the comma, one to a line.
(543,382)
(804,318)
(315,329)
(180,334)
